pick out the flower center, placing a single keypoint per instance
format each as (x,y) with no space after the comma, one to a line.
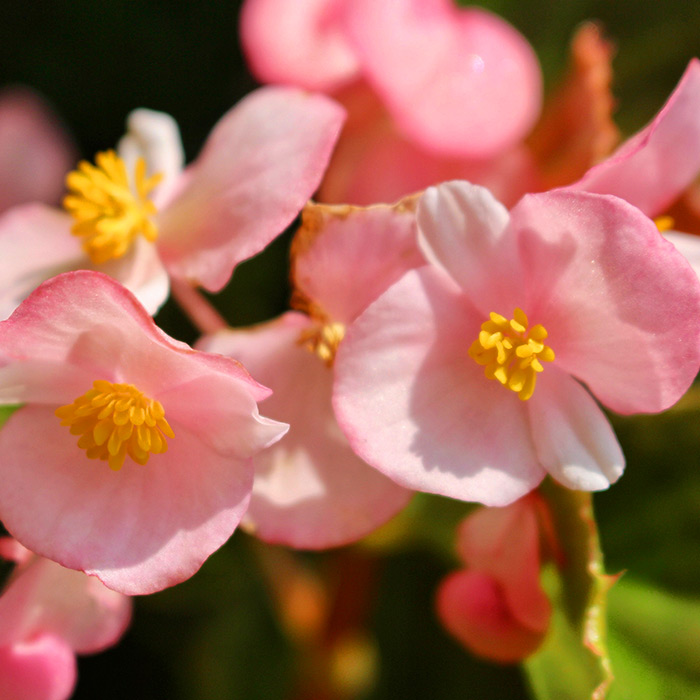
(323,340)
(510,353)
(109,213)
(116,420)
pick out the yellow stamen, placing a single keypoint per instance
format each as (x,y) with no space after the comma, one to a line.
(664,223)
(323,340)
(510,354)
(116,420)
(109,212)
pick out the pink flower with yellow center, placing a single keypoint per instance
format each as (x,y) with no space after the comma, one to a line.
(471,377)
(48,614)
(130,457)
(136,215)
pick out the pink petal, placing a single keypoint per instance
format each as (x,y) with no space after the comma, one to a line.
(459,81)
(653,167)
(35,151)
(473,608)
(297,42)
(142,273)
(46,598)
(462,228)
(155,137)
(688,246)
(505,543)
(259,166)
(310,489)
(573,438)
(377,164)
(35,244)
(345,257)
(617,300)
(411,400)
(140,529)
(86,320)
(39,669)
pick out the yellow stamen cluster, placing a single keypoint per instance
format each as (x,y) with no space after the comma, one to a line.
(116,420)
(511,354)
(109,213)
(323,340)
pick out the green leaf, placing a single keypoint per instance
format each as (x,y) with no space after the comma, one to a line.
(573,663)
(654,642)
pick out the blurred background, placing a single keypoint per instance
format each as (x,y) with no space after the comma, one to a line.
(219,636)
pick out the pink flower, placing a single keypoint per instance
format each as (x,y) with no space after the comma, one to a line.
(47,615)
(465,378)
(310,489)
(496,605)
(433,91)
(130,457)
(139,218)
(35,151)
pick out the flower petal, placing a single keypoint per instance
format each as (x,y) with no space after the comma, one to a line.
(458,81)
(88,321)
(43,668)
(259,166)
(142,273)
(688,246)
(573,438)
(473,608)
(505,543)
(310,489)
(461,230)
(410,399)
(345,257)
(48,598)
(618,301)
(653,167)
(35,151)
(35,244)
(155,137)
(297,42)
(375,163)
(140,529)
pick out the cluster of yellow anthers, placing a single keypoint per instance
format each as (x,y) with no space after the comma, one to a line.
(323,340)
(511,354)
(116,420)
(109,212)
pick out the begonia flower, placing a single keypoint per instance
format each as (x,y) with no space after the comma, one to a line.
(130,457)
(311,490)
(35,151)
(466,378)
(139,217)
(444,85)
(48,614)
(496,605)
